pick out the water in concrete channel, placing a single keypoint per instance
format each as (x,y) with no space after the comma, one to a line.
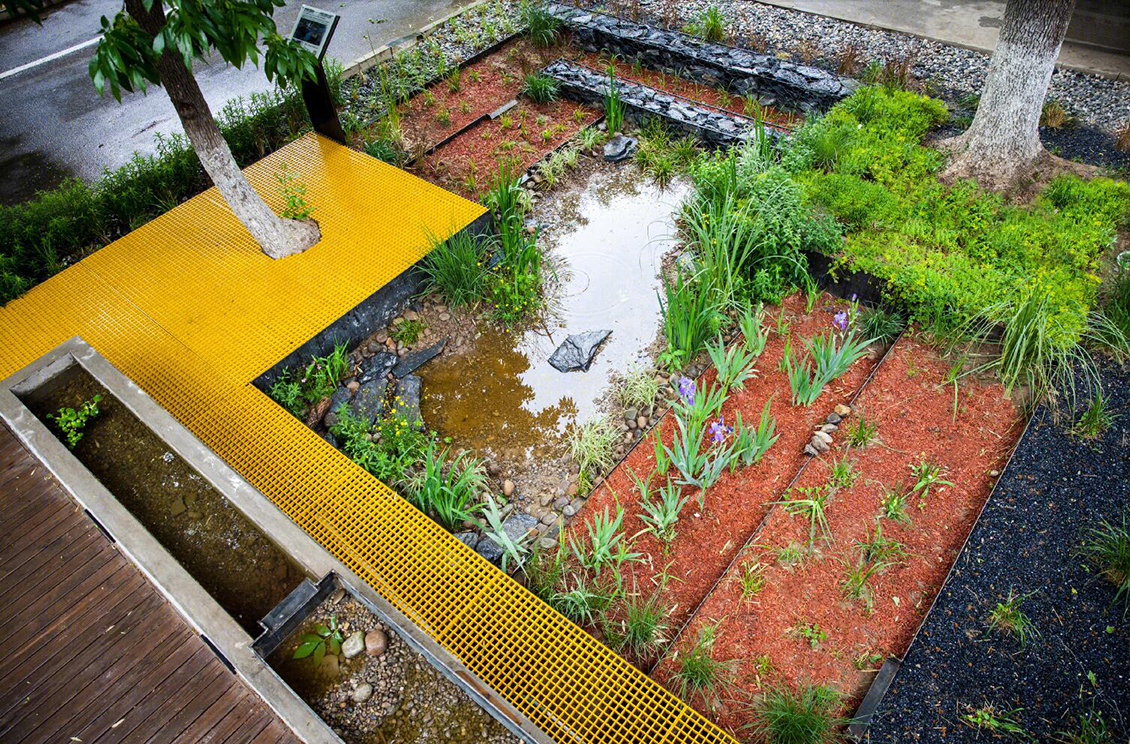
(239,566)
(605,236)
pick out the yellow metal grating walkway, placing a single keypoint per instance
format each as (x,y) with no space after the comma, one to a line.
(190,309)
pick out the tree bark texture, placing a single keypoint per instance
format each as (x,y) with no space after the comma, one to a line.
(278,237)
(1003,142)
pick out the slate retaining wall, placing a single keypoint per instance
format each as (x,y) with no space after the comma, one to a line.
(776,82)
(642,103)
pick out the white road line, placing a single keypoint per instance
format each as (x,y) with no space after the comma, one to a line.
(48,58)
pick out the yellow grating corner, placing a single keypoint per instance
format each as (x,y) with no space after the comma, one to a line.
(188,308)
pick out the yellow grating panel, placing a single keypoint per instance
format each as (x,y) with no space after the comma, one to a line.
(188,308)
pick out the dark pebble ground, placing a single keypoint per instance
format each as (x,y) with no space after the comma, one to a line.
(1056,486)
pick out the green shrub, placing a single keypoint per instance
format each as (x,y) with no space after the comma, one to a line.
(855,203)
(67,222)
(953,252)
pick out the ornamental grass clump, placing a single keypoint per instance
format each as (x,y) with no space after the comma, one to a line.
(698,673)
(734,365)
(448,492)
(806,715)
(751,444)
(591,447)
(455,268)
(542,27)
(1106,548)
(540,88)
(660,517)
(691,315)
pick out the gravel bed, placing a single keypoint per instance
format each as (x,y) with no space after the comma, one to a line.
(455,40)
(1097,101)
(1057,487)
(385,693)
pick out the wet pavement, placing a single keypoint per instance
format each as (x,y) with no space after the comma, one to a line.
(55,125)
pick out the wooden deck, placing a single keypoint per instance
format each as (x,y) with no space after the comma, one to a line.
(92,651)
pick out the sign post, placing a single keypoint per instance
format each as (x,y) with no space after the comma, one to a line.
(312,30)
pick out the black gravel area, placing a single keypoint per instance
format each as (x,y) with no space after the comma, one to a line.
(1056,487)
(1086,145)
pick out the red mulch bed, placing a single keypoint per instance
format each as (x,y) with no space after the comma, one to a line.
(501,76)
(914,410)
(689,89)
(517,136)
(736,504)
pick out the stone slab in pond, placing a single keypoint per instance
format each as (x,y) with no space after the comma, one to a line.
(369,401)
(377,366)
(577,351)
(412,362)
(406,404)
(619,148)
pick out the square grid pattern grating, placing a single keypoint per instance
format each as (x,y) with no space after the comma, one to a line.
(190,309)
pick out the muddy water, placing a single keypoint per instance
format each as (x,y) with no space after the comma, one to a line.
(243,570)
(605,238)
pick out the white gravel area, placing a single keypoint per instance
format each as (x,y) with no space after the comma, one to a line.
(1095,100)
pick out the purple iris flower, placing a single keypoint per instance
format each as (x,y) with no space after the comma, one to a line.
(841,321)
(686,390)
(854,296)
(719,431)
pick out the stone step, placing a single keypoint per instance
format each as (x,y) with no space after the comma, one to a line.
(642,103)
(776,82)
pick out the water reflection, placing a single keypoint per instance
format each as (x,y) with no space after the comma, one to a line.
(606,240)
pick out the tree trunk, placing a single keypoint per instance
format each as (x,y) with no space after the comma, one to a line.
(277,237)
(1003,142)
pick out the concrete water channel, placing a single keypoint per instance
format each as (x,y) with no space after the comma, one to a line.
(242,574)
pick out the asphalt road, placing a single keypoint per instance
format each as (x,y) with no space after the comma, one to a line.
(55,125)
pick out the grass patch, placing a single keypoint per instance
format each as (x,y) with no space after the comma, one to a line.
(805,715)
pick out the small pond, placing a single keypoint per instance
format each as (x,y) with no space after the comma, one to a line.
(605,237)
(240,567)
(385,692)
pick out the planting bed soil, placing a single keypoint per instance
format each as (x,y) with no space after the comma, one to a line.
(469,163)
(234,562)
(707,540)
(478,89)
(378,690)
(1057,487)
(802,626)
(689,89)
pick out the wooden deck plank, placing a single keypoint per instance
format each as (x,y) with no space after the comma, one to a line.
(197,731)
(32,532)
(45,618)
(170,727)
(41,681)
(119,689)
(185,698)
(51,564)
(155,687)
(54,708)
(74,637)
(95,652)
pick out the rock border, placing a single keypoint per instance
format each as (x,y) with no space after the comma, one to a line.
(776,82)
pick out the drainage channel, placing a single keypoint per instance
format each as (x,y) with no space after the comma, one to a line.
(282,613)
